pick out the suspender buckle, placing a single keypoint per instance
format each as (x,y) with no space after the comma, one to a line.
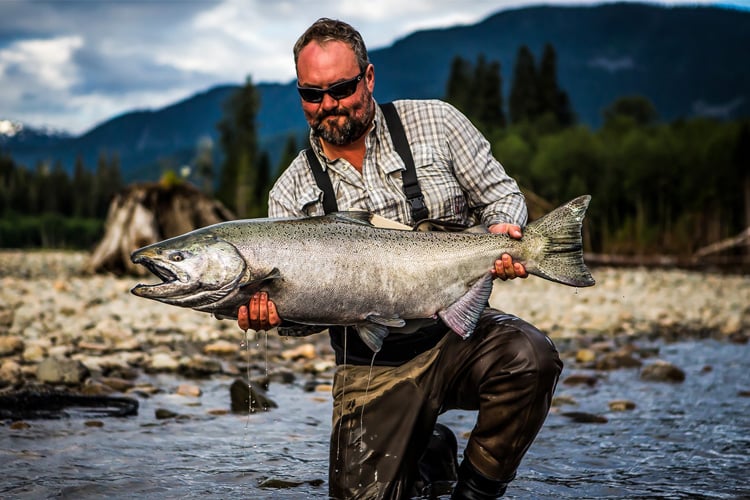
(418,208)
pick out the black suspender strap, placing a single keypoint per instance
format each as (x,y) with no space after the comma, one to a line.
(323,181)
(409,176)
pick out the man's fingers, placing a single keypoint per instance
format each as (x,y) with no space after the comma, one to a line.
(243,319)
(273,315)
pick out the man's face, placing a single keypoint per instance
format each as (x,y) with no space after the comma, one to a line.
(336,121)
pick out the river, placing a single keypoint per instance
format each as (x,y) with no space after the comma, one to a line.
(682,440)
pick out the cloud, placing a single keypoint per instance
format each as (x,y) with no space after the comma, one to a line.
(72,64)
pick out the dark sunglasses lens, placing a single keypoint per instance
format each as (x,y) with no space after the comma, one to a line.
(311,95)
(343,89)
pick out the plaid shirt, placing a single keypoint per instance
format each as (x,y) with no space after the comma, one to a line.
(460,179)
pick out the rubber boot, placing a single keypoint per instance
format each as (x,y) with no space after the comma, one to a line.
(438,467)
(473,485)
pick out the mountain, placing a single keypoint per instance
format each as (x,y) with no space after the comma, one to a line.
(688,61)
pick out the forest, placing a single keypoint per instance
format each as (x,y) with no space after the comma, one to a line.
(658,188)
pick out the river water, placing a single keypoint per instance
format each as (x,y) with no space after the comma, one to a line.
(686,440)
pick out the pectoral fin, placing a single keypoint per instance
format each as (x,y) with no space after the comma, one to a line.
(462,316)
(389,321)
(249,285)
(372,334)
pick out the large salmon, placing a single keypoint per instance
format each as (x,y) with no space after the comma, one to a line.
(341,270)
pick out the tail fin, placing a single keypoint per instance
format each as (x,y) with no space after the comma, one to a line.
(561,259)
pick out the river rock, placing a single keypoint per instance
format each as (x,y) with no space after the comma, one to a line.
(10,373)
(303,351)
(585,418)
(10,345)
(62,371)
(662,371)
(162,362)
(621,405)
(248,397)
(189,390)
(222,348)
(622,358)
(580,379)
(200,366)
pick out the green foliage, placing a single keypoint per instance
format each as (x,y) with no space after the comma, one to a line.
(477,92)
(50,230)
(46,207)
(657,188)
(243,185)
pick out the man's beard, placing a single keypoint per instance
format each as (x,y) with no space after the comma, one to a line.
(352,129)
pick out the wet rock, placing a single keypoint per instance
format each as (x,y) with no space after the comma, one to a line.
(745,393)
(246,397)
(222,348)
(118,384)
(93,423)
(621,405)
(10,345)
(10,373)
(585,355)
(162,362)
(662,371)
(617,360)
(163,414)
(20,425)
(585,418)
(564,400)
(200,366)
(189,390)
(302,351)
(280,484)
(94,388)
(282,377)
(62,371)
(35,351)
(6,319)
(580,379)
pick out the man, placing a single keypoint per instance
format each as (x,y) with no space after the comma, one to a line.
(386,404)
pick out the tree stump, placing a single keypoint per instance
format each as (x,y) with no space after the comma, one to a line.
(145,213)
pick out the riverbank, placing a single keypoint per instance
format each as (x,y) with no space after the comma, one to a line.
(49,309)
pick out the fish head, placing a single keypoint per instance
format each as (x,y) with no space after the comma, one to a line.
(196,269)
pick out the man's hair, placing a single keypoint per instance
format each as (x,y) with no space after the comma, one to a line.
(329,30)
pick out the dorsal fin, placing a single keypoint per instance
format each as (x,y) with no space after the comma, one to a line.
(354,216)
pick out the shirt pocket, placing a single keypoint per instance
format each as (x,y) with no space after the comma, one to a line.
(443,195)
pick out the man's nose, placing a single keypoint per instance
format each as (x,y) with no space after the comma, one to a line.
(329,102)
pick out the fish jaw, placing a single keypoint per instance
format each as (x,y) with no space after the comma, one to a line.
(195,270)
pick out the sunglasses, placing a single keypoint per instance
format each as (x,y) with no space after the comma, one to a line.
(338,91)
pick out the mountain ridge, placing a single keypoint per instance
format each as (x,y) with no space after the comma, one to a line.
(686,60)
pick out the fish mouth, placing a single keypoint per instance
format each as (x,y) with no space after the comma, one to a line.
(174,282)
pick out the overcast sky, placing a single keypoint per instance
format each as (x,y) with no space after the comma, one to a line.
(71,64)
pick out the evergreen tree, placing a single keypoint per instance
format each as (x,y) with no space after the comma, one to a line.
(204,165)
(524,103)
(83,184)
(460,82)
(238,135)
(551,97)
(487,105)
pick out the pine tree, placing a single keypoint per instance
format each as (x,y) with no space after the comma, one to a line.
(459,87)
(524,104)
(552,99)
(488,97)
(238,136)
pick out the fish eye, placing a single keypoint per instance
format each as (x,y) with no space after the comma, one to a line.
(177,257)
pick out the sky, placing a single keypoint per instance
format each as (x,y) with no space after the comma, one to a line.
(69,65)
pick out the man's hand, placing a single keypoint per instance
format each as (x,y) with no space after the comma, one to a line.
(505,268)
(259,314)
